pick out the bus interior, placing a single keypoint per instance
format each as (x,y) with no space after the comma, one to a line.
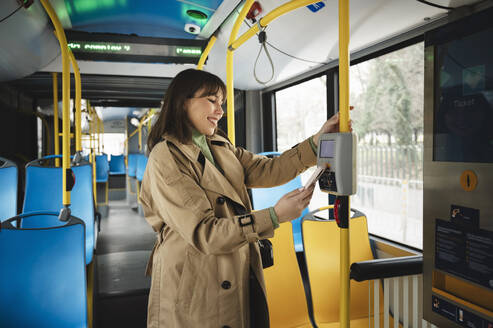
(82,83)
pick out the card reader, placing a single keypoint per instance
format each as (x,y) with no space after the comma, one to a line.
(337,154)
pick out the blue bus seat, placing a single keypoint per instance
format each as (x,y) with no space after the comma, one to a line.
(141,167)
(117,164)
(8,192)
(132,164)
(42,275)
(102,168)
(44,193)
(268,197)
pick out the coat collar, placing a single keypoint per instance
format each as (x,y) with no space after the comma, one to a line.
(190,150)
(212,179)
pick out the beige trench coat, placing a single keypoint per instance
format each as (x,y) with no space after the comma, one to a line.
(205,250)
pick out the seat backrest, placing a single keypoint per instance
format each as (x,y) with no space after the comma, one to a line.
(8,192)
(284,285)
(321,242)
(117,164)
(102,168)
(42,276)
(132,164)
(141,167)
(44,193)
(267,197)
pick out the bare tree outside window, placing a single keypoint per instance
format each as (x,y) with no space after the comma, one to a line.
(301,110)
(387,93)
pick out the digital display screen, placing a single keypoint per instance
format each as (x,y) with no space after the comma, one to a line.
(134,49)
(130,48)
(463,118)
(327,148)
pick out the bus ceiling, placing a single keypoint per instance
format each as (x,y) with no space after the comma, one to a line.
(300,41)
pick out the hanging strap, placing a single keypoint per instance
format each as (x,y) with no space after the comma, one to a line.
(262,38)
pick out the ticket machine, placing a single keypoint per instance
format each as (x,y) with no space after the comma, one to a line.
(458,174)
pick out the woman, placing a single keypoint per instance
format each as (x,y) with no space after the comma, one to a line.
(206,266)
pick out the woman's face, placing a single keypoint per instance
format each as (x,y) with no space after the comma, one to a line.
(204,112)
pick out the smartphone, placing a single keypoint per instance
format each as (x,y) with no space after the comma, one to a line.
(314,178)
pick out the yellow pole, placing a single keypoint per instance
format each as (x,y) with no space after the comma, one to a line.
(78,96)
(204,55)
(140,136)
(65,97)
(55,118)
(93,154)
(344,306)
(230,113)
(99,133)
(102,136)
(264,21)
(126,142)
(149,122)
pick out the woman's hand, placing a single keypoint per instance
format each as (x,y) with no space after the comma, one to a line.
(290,206)
(330,126)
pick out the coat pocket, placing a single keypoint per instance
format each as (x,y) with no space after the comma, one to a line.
(194,296)
(188,280)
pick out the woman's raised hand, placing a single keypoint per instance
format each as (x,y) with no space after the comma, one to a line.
(290,206)
(330,126)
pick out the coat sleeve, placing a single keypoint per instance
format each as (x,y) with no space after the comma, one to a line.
(263,172)
(183,205)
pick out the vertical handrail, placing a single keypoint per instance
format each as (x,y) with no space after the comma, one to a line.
(230,113)
(65,98)
(93,152)
(344,306)
(102,135)
(56,139)
(204,55)
(78,96)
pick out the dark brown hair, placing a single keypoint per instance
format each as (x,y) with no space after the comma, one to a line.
(173,117)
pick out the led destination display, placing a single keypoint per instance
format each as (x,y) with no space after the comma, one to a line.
(131,48)
(135,49)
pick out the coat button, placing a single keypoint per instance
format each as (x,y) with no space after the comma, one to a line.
(220,200)
(226,284)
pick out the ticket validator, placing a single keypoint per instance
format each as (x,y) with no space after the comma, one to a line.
(337,158)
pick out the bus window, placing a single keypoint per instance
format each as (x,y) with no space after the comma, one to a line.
(387,93)
(300,111)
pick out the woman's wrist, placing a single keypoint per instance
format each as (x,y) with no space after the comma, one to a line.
(315,138)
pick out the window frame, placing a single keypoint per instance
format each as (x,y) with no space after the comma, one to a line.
(332,95)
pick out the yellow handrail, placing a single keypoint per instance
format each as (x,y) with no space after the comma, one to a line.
(93,152)
(345,252)
(264,21)
(56,140)
(204,55)
(229,72)
(65,97)
(102,135)
(234,44)
(146,118)
(132,134)
(78,96)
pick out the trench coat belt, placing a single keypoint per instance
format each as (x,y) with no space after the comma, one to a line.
(158,242)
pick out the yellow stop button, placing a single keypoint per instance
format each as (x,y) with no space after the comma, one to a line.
(468,180)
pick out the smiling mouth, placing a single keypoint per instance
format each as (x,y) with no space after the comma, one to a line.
(213,120)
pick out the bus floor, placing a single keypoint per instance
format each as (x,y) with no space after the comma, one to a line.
(123,248)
